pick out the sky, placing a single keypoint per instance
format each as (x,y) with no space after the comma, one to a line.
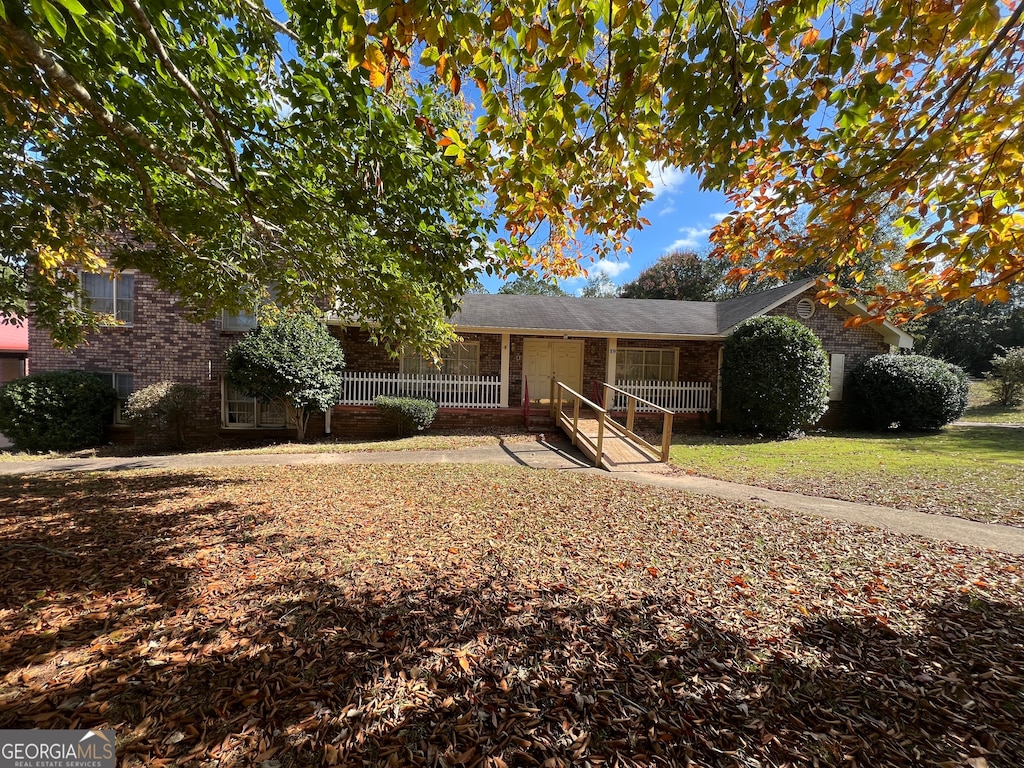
(681,216)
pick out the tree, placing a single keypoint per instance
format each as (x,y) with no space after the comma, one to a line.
(293,360)
(600,286)
(118,118)
(222,151)
(971,333)
(679,275)
(775,376)
(531,285)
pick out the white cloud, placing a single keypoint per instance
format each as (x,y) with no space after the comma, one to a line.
(718,217)
(666,178)
(611,268)
(669,208)
(692,237)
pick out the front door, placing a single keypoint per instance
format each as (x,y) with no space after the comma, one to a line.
(544,359)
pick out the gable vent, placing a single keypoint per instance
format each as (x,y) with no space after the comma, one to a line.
(804,309)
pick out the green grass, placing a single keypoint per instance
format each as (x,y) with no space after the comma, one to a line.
(970,472)
(981,408)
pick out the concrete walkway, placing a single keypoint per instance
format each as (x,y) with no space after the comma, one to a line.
(562,456)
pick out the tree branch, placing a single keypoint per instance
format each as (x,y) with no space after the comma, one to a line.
(211,114)
(108,122)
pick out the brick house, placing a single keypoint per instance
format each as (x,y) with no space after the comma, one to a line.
(665,351)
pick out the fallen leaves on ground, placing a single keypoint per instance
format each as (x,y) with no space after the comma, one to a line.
(483,616)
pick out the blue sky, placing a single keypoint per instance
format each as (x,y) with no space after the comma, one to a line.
(681,216)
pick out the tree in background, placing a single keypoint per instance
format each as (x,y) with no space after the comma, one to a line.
(599,286)
(971,333)
(531,285)
(679,275)
(291,359)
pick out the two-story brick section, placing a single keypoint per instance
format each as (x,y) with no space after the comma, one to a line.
(512,347)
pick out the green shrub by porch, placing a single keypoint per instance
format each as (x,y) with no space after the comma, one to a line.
(408,414)
(775,376)
(909,392)
(58,411)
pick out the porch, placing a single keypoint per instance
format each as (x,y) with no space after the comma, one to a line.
(487,392)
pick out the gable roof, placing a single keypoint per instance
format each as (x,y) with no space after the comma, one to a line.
(623,317)
(732,312)
(637,318)
(568,314)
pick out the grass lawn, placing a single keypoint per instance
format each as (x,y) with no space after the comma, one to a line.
(981,408)
(971,472)
(493,616)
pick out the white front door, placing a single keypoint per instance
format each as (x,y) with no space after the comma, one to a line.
(544,359)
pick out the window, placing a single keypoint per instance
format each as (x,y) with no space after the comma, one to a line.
(124,385)
(110,293)
(241,321)
(462,359)
(243,411)
(645,365)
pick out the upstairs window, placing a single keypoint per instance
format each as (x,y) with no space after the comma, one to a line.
(110,293)
(238,321)
(645,364)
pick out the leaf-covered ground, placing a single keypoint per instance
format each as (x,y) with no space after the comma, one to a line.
(440,440)
(969,472)
(482,616)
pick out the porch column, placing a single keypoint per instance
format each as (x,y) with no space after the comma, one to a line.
(327,420)
(505,356)
(718,387)
(609,374)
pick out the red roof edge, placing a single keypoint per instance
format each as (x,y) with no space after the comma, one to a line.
(14,336)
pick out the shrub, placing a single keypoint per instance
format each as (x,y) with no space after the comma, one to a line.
(60,411)
(909,392)
(775,376)
(165,409)
(408,414)
(1007,377)
(292,359)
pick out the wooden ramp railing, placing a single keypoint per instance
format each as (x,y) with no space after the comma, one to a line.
(603,440)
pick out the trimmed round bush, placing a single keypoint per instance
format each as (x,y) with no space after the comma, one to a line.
(163,410)
(774,376)
(60,411)
(408,414)
(909,392)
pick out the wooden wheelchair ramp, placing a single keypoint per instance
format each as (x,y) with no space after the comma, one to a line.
(604,441)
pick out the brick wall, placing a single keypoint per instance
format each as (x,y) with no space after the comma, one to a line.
(857,344)
(162,344)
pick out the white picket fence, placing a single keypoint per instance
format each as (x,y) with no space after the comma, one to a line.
(448,391)
(677,396)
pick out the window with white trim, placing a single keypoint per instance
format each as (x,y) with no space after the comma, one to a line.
(461,359)
(110,293)
(246,412)
(124,385)
(636,364)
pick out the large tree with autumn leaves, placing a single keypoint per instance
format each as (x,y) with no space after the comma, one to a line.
(219,131)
